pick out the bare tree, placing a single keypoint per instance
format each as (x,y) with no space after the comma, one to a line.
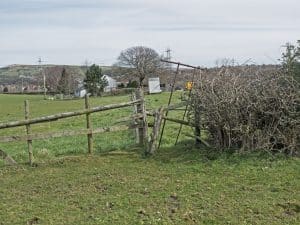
(142,60)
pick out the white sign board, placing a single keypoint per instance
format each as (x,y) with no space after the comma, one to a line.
(154,85)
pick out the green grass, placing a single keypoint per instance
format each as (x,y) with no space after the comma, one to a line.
(12,108)
(175,187)
(117,185)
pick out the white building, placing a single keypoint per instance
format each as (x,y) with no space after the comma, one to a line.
(80,92)
(111,84)
(154,85)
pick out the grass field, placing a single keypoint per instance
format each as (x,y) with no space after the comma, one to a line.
(117,185)
(13,109)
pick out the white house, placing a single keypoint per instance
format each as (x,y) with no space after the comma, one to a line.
(111,83)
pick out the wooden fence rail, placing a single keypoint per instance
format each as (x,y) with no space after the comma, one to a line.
(68,133)
(139,122)
(66,115)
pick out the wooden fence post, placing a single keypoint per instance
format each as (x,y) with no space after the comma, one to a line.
(28,131)
(89,125)
(135,121)
(197,128)
(158,116)
(143,131)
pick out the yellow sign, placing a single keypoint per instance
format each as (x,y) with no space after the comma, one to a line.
(189,85)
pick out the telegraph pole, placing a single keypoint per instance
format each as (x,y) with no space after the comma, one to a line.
(168,58)
(168,51)
(44,77)
(22,85)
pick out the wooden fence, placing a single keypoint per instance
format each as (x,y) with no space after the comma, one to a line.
(139,123)
(139,118)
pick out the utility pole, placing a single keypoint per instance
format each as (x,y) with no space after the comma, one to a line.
(44,77)
(168,51)
(22,85)
(168,58)
(168,68)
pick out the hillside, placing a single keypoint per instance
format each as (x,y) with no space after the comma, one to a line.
(16,76)
(11,74)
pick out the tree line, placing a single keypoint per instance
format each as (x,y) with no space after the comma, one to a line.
(139,62)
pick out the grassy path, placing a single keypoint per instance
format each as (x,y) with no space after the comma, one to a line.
(174,187)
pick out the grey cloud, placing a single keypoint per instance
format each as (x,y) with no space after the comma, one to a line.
(197,31)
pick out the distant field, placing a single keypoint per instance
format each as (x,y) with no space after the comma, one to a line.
(117,185)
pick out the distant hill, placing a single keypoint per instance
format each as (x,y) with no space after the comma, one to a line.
(11,74)
(32,74)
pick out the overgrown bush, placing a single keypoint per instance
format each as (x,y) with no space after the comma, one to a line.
(248,111)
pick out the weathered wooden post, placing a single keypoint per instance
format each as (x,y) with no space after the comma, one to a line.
(28,131)
(158,116)
(89,125)
(143,130)
(197,126)
(135,121)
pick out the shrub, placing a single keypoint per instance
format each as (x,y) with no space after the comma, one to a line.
(248,111)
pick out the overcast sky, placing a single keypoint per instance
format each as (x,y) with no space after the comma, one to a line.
(198,31)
